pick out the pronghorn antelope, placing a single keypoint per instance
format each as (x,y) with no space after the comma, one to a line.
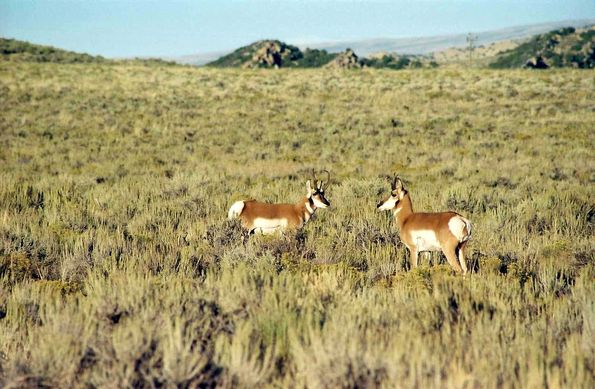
(446,231)
(267,218)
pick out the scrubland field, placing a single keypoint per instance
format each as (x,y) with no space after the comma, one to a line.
(118,267)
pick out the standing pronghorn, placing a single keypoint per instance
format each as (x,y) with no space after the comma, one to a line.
(446,231)
(267,218)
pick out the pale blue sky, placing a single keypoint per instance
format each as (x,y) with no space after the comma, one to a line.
(172,28)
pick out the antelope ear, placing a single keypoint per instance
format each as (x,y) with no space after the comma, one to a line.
(399,190)
(399,187)
(309,188)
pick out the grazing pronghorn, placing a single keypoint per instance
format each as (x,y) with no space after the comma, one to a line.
(446,231)
(267,218)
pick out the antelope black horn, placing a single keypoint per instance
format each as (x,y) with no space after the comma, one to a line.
(393,184)
(314,179)
(328,178)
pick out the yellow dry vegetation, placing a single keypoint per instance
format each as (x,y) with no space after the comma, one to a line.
(118,267)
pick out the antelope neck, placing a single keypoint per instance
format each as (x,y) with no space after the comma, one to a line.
(404,210)
(308,208)
(309,205)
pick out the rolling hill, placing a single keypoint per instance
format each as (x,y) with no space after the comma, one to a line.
(21,51)
(16,50)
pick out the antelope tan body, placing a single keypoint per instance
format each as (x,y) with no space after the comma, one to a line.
(266,218)
(448,232)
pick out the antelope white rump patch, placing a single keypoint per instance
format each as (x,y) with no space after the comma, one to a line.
(235,210)
(457,225)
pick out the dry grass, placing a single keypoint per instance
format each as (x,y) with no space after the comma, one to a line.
(118,268)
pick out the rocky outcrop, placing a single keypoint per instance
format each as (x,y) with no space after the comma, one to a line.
(537,63)
(268,55)
(273,54)
(346,60)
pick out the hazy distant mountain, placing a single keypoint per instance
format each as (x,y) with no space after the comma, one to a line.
(198,59)
(414,45)
(424,45)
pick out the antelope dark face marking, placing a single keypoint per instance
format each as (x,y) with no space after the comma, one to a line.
(319,200)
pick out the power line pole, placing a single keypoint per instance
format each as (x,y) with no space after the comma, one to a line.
(471,39)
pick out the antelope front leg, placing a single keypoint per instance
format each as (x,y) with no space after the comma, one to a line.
(413,254)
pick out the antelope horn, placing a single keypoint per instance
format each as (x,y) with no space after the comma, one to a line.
(393,184)
(328,178)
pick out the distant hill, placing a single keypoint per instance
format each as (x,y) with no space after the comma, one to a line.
(277,54)
(15,50)
(558,48)
(410,46)
(273,53)
(566,47)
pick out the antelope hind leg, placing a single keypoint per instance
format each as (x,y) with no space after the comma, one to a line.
(449,251)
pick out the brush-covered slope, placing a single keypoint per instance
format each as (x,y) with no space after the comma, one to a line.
(567,47)
(396,61)
(16,50)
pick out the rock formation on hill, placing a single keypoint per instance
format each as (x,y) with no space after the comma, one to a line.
(537,63)
(262,54)
(268,55)
(273,54)
(346,60)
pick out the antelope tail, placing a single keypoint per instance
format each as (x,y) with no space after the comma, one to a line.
(467,236)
